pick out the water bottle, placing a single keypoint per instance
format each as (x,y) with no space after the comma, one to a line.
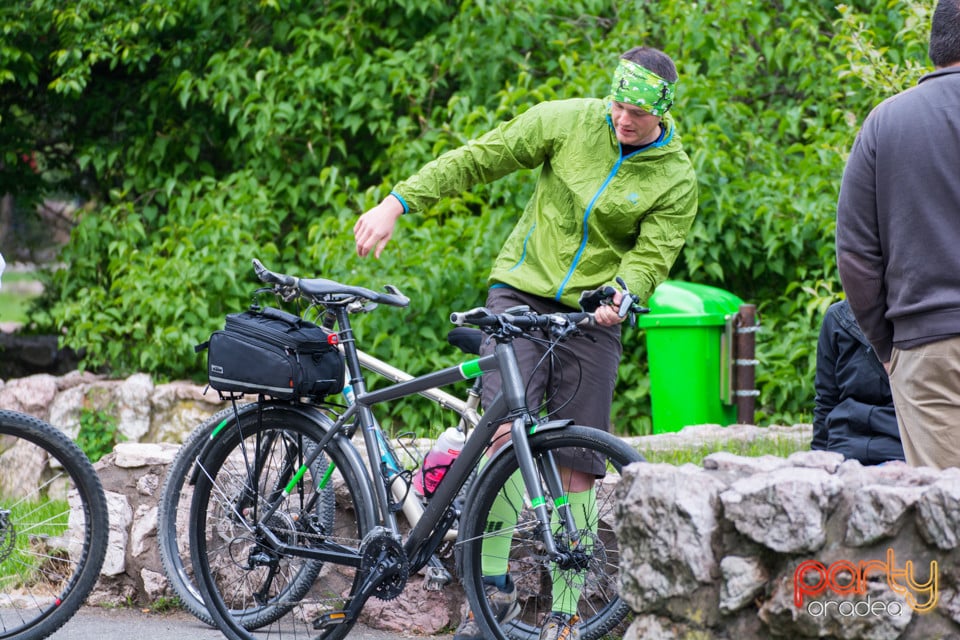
(427,478)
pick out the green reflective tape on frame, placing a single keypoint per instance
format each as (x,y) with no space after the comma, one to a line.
(471,369)
(295,479)
(326,476)
(216,432)
(538,502)
(561,501)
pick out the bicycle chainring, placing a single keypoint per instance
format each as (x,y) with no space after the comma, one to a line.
(381,552)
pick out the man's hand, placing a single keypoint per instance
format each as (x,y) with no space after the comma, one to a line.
(606,314)
(375,227)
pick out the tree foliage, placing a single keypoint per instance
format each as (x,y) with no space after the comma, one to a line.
(203,134)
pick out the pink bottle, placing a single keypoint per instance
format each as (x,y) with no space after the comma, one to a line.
(445,450)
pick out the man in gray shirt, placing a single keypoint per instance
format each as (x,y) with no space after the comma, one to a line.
(898,246)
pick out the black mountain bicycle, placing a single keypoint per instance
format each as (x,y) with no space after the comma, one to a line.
(257,526)
(173,517)
(53,527)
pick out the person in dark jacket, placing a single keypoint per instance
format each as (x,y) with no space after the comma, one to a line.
(853,412)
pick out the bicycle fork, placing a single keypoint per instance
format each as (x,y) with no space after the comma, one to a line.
(515,396)
(550,472)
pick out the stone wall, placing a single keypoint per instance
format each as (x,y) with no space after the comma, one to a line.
(143,411)
(804,547)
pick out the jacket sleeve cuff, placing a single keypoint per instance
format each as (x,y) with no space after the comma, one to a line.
(406,207)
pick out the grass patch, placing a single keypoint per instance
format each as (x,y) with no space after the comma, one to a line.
(98,433)
(36,524)
(780,447)
(15,296)
(165,604)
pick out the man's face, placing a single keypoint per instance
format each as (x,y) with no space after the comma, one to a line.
(633,125)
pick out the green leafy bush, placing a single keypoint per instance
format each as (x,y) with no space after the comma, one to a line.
(98,433)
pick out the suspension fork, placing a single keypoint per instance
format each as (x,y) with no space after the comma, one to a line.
(550,472)
(515,395)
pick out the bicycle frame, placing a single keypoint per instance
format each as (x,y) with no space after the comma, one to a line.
(469,418)
(467,411)
(509,406)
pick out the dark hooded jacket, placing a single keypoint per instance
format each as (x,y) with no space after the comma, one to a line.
(854,413)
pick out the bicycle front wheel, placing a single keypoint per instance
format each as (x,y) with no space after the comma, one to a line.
(239,567)
(589,587)
(53,527)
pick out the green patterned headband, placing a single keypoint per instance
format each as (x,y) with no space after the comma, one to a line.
(637,85)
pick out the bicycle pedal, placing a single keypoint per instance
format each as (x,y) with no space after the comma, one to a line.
(328,620)
(436,579)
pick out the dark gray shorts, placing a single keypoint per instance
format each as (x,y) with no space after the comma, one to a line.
(580,383)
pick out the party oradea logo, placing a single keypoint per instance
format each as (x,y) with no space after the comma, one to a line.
(819,588)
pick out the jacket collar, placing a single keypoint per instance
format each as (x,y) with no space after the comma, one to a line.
(847,320)
(939,73)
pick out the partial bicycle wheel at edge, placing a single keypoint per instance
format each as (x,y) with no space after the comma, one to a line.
(173,517)
(53,527)
(593,586)
(236,567)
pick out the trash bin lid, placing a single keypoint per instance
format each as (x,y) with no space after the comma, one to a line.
(683,304)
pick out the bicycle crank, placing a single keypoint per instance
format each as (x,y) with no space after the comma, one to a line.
(385,570)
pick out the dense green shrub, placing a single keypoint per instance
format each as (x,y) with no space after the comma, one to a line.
(204,134)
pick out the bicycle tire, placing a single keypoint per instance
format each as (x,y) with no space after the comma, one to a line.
(225,582)
(600,608)
(173,524)
(53,532)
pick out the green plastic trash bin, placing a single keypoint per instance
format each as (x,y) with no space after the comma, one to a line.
(689,334)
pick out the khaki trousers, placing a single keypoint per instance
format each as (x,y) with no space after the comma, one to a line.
(925,382)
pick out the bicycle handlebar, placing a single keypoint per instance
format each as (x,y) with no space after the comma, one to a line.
(505,326)
(483,317)
(520,319)
(326,292)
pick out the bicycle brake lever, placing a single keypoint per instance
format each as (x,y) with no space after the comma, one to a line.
(627,299)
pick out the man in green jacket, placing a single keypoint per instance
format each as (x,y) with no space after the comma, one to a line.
(616,196)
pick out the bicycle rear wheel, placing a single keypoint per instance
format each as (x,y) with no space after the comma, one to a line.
(245,468)
(593,584)
(53,527)
(173,523)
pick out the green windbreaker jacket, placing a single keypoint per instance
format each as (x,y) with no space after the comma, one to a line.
(593,215)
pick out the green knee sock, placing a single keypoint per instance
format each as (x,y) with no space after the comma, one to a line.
(567,586)
(503,519)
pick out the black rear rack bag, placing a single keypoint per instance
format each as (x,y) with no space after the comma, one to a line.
(275,353)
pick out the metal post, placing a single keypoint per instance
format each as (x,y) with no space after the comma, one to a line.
(745,362)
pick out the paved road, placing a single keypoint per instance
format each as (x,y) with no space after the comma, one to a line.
(95,623)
